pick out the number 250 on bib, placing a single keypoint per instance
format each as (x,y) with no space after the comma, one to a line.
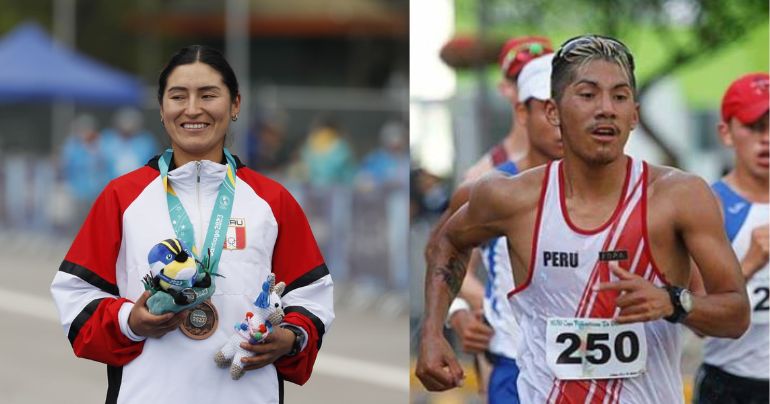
(593,348)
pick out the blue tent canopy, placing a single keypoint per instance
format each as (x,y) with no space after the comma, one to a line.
(33,67)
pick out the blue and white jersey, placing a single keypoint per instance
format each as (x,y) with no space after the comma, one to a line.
(747,356)
(497,308)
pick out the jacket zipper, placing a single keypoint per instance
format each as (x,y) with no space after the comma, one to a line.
(199,233)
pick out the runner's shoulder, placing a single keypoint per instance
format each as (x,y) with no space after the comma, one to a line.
(478,169)
(681,188)
(509,193)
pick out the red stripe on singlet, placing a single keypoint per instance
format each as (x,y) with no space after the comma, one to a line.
(601,269)
(613,390)
(631,234)
(535,235)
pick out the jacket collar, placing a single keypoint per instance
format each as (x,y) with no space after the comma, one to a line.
(153,163)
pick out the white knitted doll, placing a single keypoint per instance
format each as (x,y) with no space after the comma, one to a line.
(255,327)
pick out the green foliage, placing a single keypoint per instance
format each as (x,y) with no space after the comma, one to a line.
(705,43)
(12,12)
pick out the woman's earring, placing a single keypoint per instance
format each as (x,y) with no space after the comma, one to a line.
(234,118)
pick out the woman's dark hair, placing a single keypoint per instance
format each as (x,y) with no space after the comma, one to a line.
(203,54)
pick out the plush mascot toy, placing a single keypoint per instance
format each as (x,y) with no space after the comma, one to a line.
(256,326)
(176,280)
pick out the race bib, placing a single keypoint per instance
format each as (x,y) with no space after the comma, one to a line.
(594,348)
(759,292)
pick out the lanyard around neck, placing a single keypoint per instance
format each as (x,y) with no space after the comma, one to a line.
(220,215)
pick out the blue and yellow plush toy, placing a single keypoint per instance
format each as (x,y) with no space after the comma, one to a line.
(176,279)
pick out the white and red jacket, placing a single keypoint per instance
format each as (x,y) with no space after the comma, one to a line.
(101,276)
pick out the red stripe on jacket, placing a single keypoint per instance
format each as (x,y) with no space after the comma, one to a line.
(96,248)
(295,253)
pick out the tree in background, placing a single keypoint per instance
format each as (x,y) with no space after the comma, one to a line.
(687,31)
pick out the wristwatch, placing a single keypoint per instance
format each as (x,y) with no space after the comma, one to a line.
(681,299)
(299,338)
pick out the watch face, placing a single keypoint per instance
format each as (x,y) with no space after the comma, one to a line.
(685,298)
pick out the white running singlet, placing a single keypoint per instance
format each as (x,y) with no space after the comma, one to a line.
(497,308)
(564,324)
(749,355)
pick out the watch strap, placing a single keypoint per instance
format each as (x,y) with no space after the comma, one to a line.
(679,314)
(299,338)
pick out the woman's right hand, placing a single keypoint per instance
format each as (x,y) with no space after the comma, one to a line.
(146,324)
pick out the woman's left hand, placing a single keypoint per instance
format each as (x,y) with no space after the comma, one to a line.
(276,345)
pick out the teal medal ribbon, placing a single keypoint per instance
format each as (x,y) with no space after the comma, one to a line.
(208,259)
(220,215)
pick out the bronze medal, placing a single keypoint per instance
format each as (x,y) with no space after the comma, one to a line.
(201,321)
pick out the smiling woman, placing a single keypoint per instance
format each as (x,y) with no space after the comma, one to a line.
(239,225)
(198,96)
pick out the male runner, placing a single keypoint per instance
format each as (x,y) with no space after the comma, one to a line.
(737,371)
(514,55)
(465,312)
(476,337)
(585,252)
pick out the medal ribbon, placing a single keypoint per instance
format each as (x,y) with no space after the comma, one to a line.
(220,215)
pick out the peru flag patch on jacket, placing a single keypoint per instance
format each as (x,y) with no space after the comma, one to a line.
(236,234)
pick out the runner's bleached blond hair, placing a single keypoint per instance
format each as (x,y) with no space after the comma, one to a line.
(578,51)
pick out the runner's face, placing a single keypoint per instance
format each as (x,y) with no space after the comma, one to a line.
(751,145)
(597,112)
(544,137)
(196,110)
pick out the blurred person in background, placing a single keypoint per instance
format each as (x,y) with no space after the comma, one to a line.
(514,55)
(84,165)
(428,193)
(127,145)
(326,156)
(481,315)
(737,371)
(388,165)
(384,174)
(266,143)
(98,288)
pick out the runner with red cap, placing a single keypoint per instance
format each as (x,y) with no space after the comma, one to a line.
(736,371)
(514,55)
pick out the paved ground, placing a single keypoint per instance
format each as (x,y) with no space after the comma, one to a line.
(365,357)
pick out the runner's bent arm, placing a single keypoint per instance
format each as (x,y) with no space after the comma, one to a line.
(724,310)
(475,222)
(458,199)
(481,219)
(472,289)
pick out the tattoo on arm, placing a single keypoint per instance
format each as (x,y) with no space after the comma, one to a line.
(452,274)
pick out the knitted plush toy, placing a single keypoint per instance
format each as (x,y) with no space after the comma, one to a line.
(255,327)
(175,281)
